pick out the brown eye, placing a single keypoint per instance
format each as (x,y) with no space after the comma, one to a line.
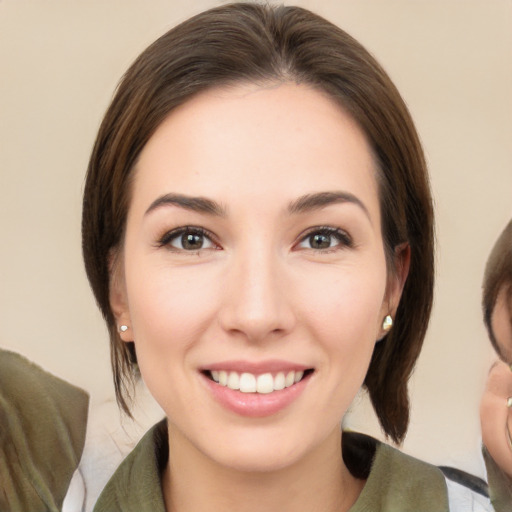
(320,241)
(325,238)
(190,239)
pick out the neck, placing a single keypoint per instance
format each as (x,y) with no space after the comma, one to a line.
(192,482)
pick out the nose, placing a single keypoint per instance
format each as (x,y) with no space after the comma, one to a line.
(257,298)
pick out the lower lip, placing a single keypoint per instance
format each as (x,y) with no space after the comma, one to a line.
(256,405)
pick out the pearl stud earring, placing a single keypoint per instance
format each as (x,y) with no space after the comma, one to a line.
(123,328)
(387,323)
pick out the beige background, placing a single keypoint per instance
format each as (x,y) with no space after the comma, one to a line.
(59,63)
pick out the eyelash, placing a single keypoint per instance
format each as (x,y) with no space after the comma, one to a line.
(343,239)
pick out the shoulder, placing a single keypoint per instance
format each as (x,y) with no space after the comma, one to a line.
(23,382)
(500,484)
(136,484)
(397,482)
(41,415)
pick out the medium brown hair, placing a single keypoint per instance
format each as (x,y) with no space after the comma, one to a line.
(246,42)
(498,277)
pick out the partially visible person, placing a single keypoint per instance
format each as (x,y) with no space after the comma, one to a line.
(42,434)
(497,295)
(496,405)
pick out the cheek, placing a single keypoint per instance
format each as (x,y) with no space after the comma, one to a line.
(170,311)
(169,307)
(345,306)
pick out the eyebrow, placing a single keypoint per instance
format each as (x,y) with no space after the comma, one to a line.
(303,204)
(320,200)
(195,204)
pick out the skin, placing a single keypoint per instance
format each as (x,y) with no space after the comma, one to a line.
(258,289)
(494,414)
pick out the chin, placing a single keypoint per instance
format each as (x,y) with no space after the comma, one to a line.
(270,450)
(254,459)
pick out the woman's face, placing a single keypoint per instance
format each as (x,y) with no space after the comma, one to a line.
(254,257)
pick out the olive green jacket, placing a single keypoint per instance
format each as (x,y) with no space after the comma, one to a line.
(42,432)
(395,482)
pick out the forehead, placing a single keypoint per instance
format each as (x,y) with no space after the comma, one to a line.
(248,140)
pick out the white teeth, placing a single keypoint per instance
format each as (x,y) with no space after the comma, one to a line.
(233,381)
(280,381)
(265,383)
(249,383)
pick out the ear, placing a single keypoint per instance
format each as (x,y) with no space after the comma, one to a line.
(118,297)
(396,282)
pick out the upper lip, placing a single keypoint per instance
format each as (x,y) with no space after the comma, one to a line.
(256,367)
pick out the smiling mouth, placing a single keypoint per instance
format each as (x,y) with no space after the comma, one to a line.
(265,383)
